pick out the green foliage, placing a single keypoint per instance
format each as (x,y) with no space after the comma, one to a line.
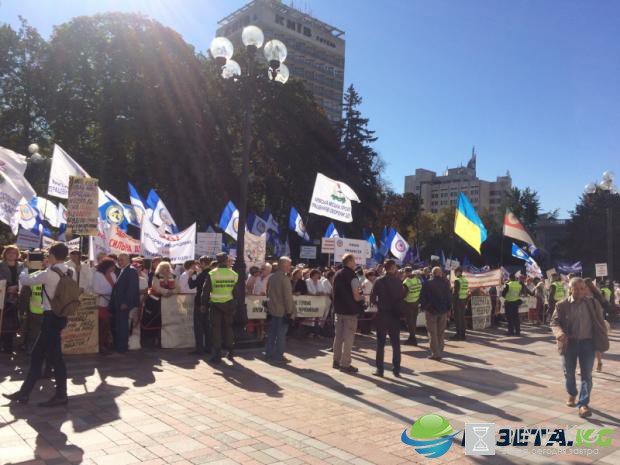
(525,204)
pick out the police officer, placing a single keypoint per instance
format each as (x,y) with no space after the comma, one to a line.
(512,300)
(556,293)
(411,303)
(460,293)
(218,293)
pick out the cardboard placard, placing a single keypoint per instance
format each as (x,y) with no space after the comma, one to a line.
(208,243)
(327,245)
(27,239)
(308,306)
(307,252)
(82,206)
(358,247)
(600,269)
(177,321)
(81,335)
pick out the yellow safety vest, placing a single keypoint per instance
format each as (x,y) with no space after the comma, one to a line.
(606,293)
(36,299)
(558,291)
(414,286)
(463,287)
(514,291)
(223,282)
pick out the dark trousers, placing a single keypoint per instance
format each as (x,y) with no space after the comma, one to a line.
(388,325)
(48,346)
(512,316)
(459,316)
(411,309)
(201,329)
(222,317)
(121,330)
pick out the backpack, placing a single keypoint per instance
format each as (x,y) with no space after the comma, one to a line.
(67,297)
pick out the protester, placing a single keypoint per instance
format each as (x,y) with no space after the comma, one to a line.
(10,269)
(556,293)
(577,324)
(254,274)
(125,298)
(189,268)
(218,293)
(539,293)
(298,283)
(410,304)
(387,294)
(281,308)
(201,314)
(31,306)
(348,303)
(459,304)
(435,301)
(48,345)
(513,290)
(260,285)
(165,283)
(365,324)
(594,293)
(103,283)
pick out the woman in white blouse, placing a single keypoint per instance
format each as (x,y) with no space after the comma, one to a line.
(103,282)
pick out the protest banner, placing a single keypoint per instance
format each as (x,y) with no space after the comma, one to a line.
(327,245)
(72,245)
(62,167)
(119,242)
(28,240)
(358,247)
(481,311)
(209,244)
(81,335)
(307,252)
(485,279)
(2,295)
(178,247)
(177,321)
(82,206)
(308,306)
(332,199)
(255,249)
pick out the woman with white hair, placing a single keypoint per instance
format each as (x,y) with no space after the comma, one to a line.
(164,285)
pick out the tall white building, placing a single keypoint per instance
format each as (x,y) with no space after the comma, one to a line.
(315,49)
(438,192)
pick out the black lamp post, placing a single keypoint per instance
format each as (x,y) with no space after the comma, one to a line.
(275,53)
(607,189)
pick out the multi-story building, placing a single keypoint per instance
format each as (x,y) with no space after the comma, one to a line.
(438,192)
(315,49)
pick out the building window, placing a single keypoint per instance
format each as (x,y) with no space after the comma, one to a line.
(290,24)
(307,32)
(280,20)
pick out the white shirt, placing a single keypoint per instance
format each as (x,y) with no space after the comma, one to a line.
(48,278)
(367,286)
(184,283)
(102,288)
(260,286)
(317,288)
(326,285)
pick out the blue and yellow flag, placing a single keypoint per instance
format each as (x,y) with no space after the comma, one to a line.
(468,225)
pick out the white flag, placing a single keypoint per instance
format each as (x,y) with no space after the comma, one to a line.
(178,247)
(399,246)
(63,166)
(13,187)
(332,199)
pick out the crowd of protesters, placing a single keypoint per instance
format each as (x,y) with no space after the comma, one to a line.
(385,299)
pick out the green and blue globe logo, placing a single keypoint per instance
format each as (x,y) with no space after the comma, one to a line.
(430,435)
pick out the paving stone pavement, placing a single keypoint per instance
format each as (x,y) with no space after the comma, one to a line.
(167,407)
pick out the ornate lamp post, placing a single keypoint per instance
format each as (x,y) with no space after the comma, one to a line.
(607,189)
(222,51)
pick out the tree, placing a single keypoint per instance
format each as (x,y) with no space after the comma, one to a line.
(525,204)
(22,87)
(400,211)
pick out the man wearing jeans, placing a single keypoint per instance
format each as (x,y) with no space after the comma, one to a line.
(435,301)
(577,324)
(347,299)
(281,308)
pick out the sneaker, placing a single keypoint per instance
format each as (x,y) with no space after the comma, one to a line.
(571,401)
(349,369)
(585,412)
(55,401)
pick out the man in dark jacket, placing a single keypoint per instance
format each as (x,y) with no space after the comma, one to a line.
(201,314)
(435,301)
(387,294)
(125,297)
(347,306)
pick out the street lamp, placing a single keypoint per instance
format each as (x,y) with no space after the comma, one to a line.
(607,188)
(222,50)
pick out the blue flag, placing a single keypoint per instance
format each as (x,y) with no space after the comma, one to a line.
(295,223)
(517,252)
(229,221)
(113,212)
(138,204)
(160,214)
(331,231)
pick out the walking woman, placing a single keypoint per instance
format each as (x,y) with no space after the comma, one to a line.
(103,282)
(10,269)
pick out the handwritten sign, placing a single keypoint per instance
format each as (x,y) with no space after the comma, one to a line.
(209,244)
(83,213)
(480,311)
(177,321)
(81,336)
(308,306)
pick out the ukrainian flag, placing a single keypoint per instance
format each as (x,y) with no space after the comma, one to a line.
(468,225)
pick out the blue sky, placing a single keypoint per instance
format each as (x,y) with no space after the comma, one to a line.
(533,84)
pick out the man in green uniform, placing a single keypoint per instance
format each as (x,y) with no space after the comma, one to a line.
(460,293)
(557,292)
(512,300)
(411,303)
(218,294)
